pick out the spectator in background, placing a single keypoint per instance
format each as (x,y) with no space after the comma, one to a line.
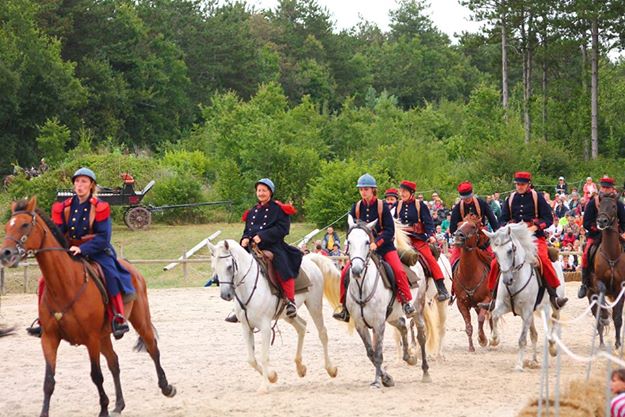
(497,199)
(574,200)
(319,248)
(560,208)
(437,220)
(589,189)
(445,223)
(437,203)
(617,386)
(562,187)
(330,238)
(336,251)
(494,205)
(390,196)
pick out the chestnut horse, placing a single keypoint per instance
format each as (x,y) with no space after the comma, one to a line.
(72,306)
(609,265)
(469,277)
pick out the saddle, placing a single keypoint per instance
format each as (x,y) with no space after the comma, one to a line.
(265,258)
(94,270)
(386,273)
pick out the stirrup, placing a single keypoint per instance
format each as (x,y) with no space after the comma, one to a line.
(490,306)
(409,310)
(342,315)
(291,309)
(34,330)
(558,302)
(119,329)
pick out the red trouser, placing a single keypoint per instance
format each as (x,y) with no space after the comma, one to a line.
(424,249)
(116,301)
(288,287)
(403,293)
(548,272)
(589,242)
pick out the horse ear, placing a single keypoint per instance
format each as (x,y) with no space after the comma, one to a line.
(372,224)
(13,205)
(32,204)
(350,221)
(212,247)
(489,234)
(226,245)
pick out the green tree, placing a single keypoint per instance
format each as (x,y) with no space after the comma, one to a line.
(52,139)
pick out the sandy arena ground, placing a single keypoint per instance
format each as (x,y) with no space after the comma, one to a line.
(205,358)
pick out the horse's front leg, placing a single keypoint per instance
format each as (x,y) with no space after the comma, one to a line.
(466,315)
(534,339)
(364,334)
(113,364)
(248,335)
(481,336)
(300,327)
(50,345)
(378,357)
(93,347)
(316,313)
(553,327)
(271,376)
(527,321)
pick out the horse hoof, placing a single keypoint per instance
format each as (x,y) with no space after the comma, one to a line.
(263,389)
(388,381)
(273,376)
(169,391)
(375,385)
(471,349)
(332,371)
(533,364)
(519,368)
(482,341)
(426,378)
(301,370)
(412,360)
(115,414)
(553,351)
(494,342)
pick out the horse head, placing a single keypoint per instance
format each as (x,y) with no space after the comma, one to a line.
(359,238)
(467,231)
(226,267)
(23,235)
(607,211)
(513,246)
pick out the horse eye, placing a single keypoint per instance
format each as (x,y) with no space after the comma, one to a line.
(24,225)
(509,252)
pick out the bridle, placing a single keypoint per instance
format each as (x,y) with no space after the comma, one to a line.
(235,285)
(19,243)
(514,270)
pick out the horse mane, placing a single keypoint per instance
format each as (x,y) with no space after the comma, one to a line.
(56,232)
(521,235)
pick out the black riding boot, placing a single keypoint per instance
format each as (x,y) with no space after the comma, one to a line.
(442,291)
(583,289)
(343,314)
(556,301)
(409,310)
(232,318)
(119,327)
(34,329)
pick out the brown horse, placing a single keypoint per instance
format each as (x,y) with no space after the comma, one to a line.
(72,306)
(609,265)
(469,277)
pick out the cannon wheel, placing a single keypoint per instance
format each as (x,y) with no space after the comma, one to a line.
(137,218)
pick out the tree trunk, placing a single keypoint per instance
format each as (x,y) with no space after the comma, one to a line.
(505,95)
(585,140)
(527,75)
(594,91)
(544,86)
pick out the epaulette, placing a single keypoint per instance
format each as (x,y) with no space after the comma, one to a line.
(102,209)
(288,209)
(57,212)
(244,216)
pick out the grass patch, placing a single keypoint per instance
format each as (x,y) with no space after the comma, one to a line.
(159,242)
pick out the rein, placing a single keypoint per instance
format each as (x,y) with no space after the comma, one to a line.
(362,300)
(609,228)
(19,243)
(514,270)
(235,267)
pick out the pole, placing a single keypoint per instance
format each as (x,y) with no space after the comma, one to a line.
(191,251)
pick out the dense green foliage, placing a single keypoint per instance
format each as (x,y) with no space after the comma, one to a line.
(206,97)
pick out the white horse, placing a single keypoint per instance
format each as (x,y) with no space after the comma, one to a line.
(241,278)
(368,302)
(518,287)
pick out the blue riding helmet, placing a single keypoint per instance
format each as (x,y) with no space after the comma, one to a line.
(268,183)
(85,172)
(366,180)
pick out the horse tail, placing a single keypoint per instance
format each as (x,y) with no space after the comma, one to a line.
(432,337)
(402,240)
(331,278)
(140,344)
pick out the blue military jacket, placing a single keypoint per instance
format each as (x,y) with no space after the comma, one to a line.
(522,209)
(420,223)
(484,212)
(384,229)
(94,240)
(271,222)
